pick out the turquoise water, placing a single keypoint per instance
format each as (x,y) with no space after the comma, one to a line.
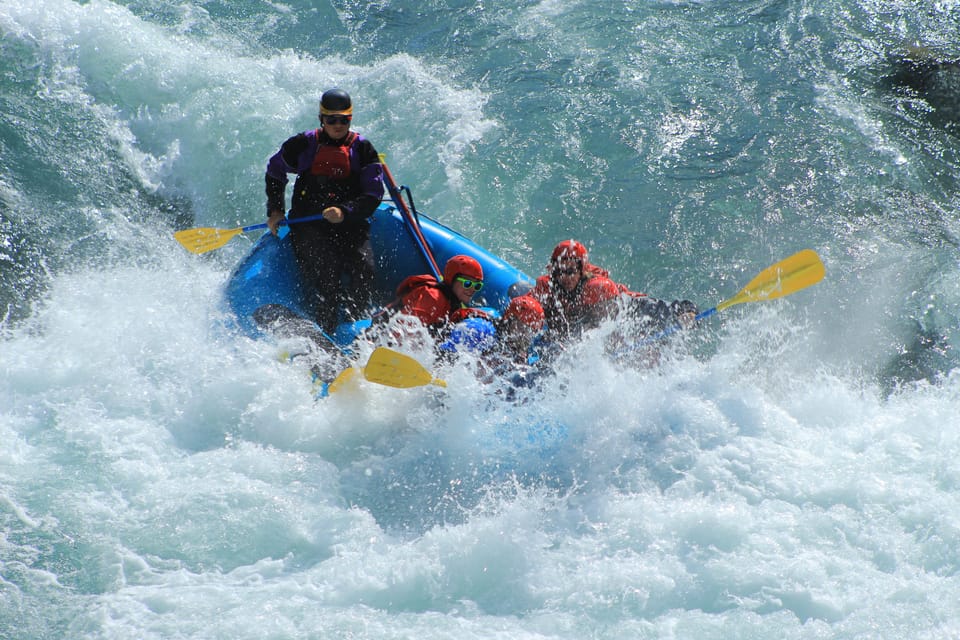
(789,471)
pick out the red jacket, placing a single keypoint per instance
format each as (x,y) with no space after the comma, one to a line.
(428,300)
(432,302)
(565,311)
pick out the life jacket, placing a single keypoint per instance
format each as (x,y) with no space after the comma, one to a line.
(433,302)
(556,302)
(329,180)
(565,310)
(423,297)
(410,283)
(593,271)
(333,161)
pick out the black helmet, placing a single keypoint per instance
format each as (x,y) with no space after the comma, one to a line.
(335,102)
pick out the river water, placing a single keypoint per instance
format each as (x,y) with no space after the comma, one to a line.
(788,471)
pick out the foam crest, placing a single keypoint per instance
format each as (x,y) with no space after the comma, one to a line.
(175,99)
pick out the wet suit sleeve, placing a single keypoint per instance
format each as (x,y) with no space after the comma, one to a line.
(280,164)
(657,314)
(654,314)
(681,307)
(276,194)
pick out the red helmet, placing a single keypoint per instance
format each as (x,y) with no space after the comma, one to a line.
(569,249)
(462,266)
(527,310)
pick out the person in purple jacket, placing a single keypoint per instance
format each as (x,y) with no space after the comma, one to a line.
(339,176)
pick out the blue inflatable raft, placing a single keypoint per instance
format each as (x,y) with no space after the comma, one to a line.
(268,274)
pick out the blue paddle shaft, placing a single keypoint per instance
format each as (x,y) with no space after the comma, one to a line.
(285,221)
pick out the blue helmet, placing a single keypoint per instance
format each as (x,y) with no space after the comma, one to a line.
(472,335)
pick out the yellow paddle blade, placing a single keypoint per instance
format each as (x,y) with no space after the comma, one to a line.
(394,369)
(342,379)
(205,239)
(797,272)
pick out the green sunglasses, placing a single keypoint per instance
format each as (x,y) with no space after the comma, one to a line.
(467,283)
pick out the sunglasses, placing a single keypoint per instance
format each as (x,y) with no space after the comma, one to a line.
(476,285)
(337,119)
(566,272)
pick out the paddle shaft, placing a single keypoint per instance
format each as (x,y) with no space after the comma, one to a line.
(204,239)
(284,222)
(412,224)
(790,275)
